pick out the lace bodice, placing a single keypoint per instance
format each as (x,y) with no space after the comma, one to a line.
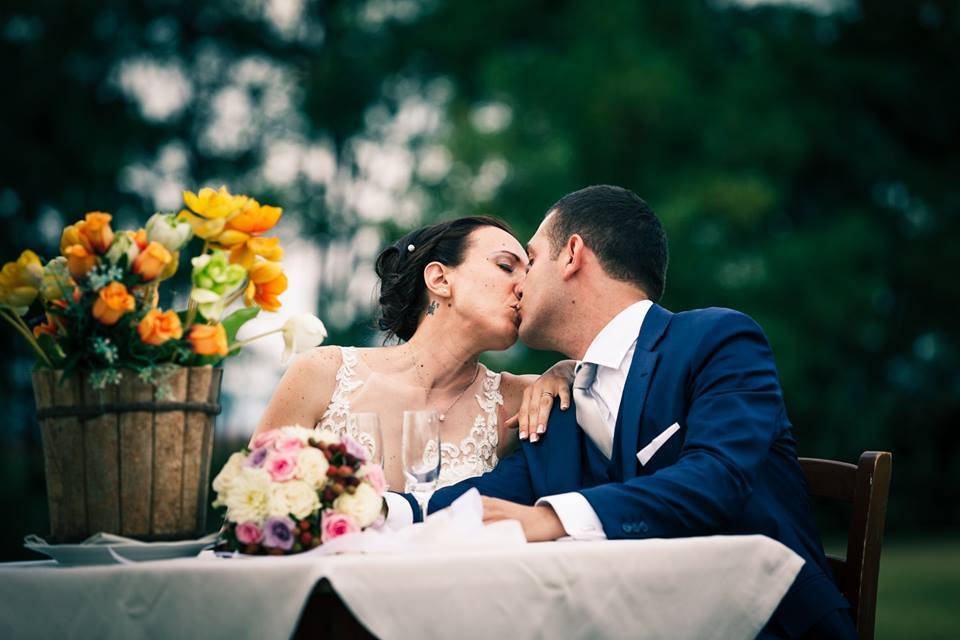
(462,455)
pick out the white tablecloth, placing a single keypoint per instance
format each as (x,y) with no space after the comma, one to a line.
(713,587)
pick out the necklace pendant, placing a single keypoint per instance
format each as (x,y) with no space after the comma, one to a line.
(442,417)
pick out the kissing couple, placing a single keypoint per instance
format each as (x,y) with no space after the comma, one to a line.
(661,424)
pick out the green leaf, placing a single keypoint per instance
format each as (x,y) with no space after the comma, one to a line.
(237,319)
(52,350)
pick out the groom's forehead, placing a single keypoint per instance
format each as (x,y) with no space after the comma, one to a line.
(540,235)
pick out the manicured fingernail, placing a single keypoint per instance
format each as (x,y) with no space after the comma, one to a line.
(523,435)
(541,428)
(533,437)
(564,407)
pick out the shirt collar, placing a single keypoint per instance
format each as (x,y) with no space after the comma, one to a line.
(613,342)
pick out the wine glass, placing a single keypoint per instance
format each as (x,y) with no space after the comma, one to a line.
(364,427)
(420,450)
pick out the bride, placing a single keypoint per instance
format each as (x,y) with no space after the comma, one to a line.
(449,292)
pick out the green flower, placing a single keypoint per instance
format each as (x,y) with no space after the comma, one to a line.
(214,280)
(56,283)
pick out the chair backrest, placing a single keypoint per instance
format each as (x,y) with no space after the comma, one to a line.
(865,486)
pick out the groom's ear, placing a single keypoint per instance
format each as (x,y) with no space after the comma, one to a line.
(435,277)
(572,255)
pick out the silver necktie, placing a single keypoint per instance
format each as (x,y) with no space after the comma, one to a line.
(588,413)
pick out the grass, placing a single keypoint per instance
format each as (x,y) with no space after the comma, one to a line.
(919,591)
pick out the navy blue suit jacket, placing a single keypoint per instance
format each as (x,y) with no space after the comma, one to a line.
(731,468)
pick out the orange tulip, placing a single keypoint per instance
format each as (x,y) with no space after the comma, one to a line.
(48,327)
(112,302)
(156,327)
(79,260)
(255,218)
(96,228)
(151,261)
(267,282)
(140,238)
(246,253)
(208,340)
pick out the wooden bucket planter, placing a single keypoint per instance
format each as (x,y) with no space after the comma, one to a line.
(120,462)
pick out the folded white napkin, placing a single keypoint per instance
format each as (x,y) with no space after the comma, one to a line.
(459,526)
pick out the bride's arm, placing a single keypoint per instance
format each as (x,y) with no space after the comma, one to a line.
(304,391)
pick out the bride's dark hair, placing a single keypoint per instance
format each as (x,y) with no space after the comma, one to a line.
(403,292)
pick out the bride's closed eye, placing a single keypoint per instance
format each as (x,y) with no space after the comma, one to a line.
(505,267)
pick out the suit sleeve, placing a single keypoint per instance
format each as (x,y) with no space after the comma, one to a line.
(735,414)
(509,480)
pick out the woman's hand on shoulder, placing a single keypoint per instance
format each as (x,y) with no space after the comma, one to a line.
(536,401)
(304,391)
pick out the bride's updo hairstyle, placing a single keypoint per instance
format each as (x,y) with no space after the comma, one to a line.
(403,292)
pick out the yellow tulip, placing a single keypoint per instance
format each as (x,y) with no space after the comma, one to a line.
(20,282)
(212,204)
(72,235)
(267,282)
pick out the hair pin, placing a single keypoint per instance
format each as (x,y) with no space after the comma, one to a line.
(410,248)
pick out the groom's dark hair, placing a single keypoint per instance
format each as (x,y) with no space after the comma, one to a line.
(620,228)
(403,292)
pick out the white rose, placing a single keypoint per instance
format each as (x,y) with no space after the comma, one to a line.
(249,496)
(293,497)
(221,484)
(296,431)
(363,506)
(301,332)
(312,467)
(165,229)
(325,436)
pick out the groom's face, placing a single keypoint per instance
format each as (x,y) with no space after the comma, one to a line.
(540,290)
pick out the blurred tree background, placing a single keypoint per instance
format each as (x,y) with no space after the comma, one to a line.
(803,157)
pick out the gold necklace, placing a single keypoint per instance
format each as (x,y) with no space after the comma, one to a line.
(442,415)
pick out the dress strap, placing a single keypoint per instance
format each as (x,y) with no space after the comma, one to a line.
(347,383)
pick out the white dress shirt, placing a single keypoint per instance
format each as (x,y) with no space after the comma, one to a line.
(612,352)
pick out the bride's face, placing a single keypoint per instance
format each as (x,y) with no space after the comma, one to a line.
(484,287)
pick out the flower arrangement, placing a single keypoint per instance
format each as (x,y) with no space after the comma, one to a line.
(96,304)
(294,489)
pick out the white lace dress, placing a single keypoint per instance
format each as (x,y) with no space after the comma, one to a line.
(466,450)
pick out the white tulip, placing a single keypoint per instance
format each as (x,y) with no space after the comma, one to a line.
(301,332)
(164,228)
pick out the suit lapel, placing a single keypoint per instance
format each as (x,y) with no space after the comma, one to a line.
(562,460)
(637,384)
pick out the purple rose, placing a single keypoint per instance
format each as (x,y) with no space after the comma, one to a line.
(355,449)
(278,533)
(257,457)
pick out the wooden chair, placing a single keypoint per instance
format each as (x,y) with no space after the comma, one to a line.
(865,486)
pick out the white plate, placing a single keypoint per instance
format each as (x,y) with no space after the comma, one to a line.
(117,550)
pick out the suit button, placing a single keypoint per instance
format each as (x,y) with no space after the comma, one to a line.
(627,528)
(643,527)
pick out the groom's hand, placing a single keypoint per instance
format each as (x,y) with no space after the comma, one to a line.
(539,523)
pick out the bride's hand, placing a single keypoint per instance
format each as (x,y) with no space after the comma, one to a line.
(534,411)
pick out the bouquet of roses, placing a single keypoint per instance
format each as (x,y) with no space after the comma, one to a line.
(97,303)
(294,489)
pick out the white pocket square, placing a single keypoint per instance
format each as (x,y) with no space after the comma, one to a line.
(647,452)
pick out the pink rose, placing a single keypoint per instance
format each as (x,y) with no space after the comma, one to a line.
(280,466)
(249,533)
(373,474)
(333,525)
(265,438)
(288,445)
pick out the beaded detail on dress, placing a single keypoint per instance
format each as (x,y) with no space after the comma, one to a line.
(472,455)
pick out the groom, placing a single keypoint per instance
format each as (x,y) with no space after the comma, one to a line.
(679,426)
